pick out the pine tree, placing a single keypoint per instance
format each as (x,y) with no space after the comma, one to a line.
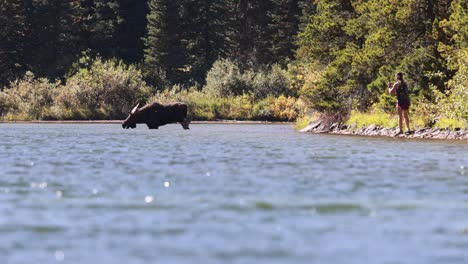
(132,30)
(100,21)
(41,36)
(324,33)
(204,32)
(249,30)
(12,40)
(285,21)
(263,32)
(165,50)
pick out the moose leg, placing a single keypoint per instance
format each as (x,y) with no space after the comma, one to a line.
(185,123)
(152,126)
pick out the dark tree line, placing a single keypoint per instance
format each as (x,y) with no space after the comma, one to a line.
(178,39)
(185,37)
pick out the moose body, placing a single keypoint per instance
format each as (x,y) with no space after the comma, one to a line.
(155,115)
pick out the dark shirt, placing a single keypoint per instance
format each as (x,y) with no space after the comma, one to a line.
(402,93)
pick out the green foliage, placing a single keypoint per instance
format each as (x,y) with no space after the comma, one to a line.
(37,36)
(179,39)
(273,82)
(165,51)
(12,40)
(456,104)
(100,23)
(226,79)
(447,123)
(131,30)
(378,118)
(205,31)
(325,89)
(185,37)
(324,34)
(107,89)
(263,32)
(362,44)
(203,106)
(345,53)
(104,90)
(29,99)
(456,28)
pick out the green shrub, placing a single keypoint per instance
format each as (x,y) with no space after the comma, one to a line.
(106,89)
(455,104)
(29,99)
(225,79)
(280,108)
(447,110)
(273,82)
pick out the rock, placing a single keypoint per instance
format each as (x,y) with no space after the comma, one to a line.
(312,126)
(371,128)
(385,132)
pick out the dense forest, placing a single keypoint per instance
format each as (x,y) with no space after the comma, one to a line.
(235,59)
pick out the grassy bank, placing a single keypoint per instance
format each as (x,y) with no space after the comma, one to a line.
(417,121)
(358,120)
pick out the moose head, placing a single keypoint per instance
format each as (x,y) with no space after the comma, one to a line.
(131,120)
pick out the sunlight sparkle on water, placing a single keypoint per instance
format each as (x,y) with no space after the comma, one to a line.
(59,255)
(149,199)
(39,185)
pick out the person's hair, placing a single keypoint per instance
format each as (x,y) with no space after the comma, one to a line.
(399,76)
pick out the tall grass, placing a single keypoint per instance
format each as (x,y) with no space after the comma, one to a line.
(378,118)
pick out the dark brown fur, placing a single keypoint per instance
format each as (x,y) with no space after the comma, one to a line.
(155,115)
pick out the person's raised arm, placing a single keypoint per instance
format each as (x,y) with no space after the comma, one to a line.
(392,88)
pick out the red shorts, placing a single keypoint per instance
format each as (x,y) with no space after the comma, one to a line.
(403,105)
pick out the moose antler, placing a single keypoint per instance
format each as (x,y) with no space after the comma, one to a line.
(135,109)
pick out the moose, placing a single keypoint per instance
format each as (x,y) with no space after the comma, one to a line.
(155,115)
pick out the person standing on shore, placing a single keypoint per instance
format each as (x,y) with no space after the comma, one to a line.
(400,89)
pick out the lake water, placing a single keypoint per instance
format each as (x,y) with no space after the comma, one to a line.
(228,194)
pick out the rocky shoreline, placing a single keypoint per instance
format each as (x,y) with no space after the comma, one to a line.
(213,122)
(373,130)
